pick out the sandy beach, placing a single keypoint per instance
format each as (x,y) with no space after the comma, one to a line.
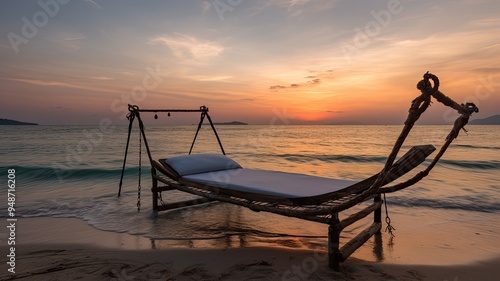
(70,249)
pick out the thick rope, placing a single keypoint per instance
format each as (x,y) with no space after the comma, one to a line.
(465,111)
(418,106)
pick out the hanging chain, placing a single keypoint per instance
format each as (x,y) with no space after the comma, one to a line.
(139,174)
(161,199)
(389,227)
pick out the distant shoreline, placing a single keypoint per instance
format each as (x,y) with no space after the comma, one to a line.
(492,120)
(15,122)
(231,123)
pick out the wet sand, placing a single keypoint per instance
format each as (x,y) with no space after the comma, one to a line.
(70,249)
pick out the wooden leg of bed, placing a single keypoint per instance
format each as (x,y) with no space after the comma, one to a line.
(154,190)
(334,230)
(377,214)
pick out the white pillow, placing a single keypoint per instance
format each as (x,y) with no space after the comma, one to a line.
(200,163)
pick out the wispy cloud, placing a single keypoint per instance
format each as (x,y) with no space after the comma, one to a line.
(51,83)
(40,82)
(314,80)
(296,85)
(298,8)
(102,78)
(207,78)
(70,41)
(189,47)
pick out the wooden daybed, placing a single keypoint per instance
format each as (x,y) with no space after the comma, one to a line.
(216,177)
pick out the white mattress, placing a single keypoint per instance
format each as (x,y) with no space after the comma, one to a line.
(288,185)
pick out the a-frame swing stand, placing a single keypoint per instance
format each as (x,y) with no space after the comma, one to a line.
(135,113)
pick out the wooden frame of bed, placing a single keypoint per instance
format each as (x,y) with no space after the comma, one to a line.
(324,208)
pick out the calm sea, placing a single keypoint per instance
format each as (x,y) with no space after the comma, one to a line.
(73,171)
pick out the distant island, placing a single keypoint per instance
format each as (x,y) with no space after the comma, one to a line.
(231,123)
(492,120)
(14,122)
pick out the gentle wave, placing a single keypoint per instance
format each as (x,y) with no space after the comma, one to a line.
(481,165)
(466,203)
(298,158)
(332,158)
(477,146)
(34,173)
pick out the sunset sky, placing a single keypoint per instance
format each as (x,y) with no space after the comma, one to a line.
(296,61)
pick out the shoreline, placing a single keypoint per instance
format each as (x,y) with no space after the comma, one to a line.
(73,261)
(69,248)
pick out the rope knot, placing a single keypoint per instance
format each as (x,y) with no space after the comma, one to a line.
(470,107)
(425,86)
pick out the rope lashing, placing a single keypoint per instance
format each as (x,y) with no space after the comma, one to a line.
(427,90)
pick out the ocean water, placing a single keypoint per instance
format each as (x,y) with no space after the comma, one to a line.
(74,171)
